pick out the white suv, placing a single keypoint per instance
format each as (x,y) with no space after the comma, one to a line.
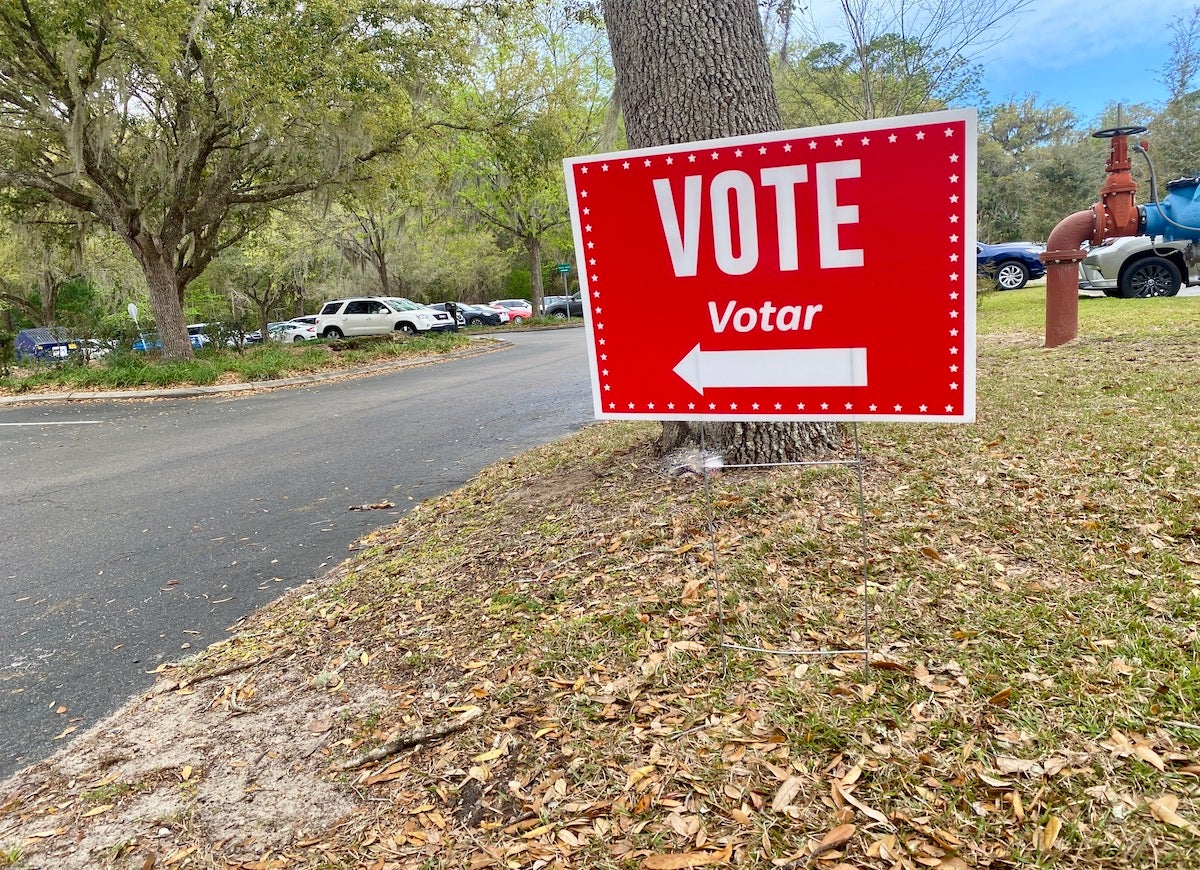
(365,315)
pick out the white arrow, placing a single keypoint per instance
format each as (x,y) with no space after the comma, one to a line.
(799,367)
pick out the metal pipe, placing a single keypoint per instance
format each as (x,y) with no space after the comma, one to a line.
(1062,256)
(1116,214)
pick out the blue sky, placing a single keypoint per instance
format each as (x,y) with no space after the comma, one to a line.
(1085,54)
(1079,53)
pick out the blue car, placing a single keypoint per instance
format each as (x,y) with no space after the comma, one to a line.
(1009,265)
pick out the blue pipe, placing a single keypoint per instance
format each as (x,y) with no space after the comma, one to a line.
(1177,217)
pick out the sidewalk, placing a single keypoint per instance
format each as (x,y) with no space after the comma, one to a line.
(197,391)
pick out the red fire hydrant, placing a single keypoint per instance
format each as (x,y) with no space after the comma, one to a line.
(1116,214)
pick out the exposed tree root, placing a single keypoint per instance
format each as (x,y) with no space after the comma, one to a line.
(409,739)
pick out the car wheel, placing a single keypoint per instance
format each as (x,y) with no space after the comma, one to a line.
(1153,276)
(559,315)
(332,332)
(406,327)
(1011,275)
(297,339)
(517,320)
(475,321)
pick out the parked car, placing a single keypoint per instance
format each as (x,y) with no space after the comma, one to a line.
(291,331)
(150,341)
(442,322)
(1009,265)
(231,334)
(481,315)
(505,317)
(199,333)
(571,306)
(368,315)
(473,315)
(459,320)
(547,301)
(94,348)
(519,310)
(1139,267)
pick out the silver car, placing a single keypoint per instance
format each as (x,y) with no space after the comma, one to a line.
(1139,267)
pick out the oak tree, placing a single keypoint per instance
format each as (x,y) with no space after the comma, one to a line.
(690,70)
(176,124)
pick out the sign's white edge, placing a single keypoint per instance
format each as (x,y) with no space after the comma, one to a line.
(968,116)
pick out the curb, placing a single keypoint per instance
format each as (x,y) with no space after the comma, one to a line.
(196,392)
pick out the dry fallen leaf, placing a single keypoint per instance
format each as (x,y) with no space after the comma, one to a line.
(953,862)
(1164,809)
(683,860)
(785,794)
(1049,834)
(885,665)
(1007,764)
(1000,699)
(1148,755)
(181,854)
(861,807)
(836,837)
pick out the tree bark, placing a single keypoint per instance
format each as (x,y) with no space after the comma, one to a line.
(166,298)
(534,245)
(698,69)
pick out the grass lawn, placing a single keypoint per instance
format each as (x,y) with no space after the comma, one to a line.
(1031,701)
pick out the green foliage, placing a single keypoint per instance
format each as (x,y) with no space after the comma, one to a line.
(186,119)
(10,855)
(540,93)
(1175,132)
(516,283)
(834,82)
(124,368)
(1033,170)
(7,338)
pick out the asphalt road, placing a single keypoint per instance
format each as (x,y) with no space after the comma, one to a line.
(133,533)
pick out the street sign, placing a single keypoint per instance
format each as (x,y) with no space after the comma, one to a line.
(819,274)
(564,268)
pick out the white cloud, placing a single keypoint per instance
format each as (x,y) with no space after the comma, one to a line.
(1056,34)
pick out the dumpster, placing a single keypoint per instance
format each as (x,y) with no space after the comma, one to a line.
(45,343)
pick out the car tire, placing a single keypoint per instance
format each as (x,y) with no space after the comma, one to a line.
(296,339)
(1149,277)
(332,333)
(517,320)
(475,321)
(1011,275)
(406,327)
(559,315)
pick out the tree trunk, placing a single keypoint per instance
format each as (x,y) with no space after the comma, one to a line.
(698,69)
(47,291)
(534,246)
(166,298)
(381,272)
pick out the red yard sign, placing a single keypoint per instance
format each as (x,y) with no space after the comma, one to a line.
(820,274)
